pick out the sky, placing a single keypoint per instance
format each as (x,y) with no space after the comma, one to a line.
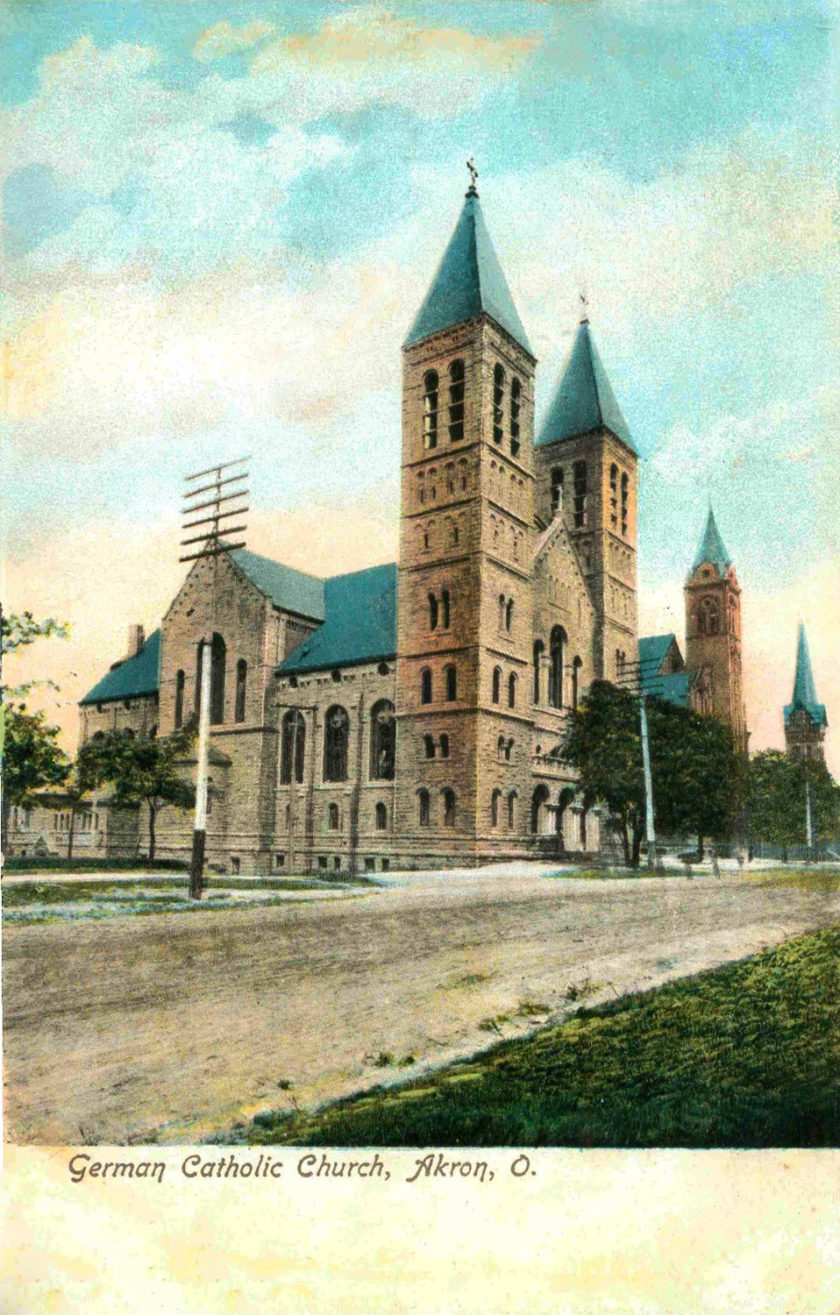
(220,220)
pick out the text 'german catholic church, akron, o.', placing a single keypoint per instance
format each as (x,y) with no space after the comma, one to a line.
(410,715)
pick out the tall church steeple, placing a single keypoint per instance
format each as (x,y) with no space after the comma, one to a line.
(805,718)
(713,627)
(587,470)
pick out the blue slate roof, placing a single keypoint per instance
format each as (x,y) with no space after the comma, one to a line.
(584,399)
(360,624)
(653,650)
(711,547)
(292,590)
(469,281)
(804,689)
(137,675)
(673,689)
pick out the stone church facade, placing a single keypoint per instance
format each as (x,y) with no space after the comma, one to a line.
(411,714)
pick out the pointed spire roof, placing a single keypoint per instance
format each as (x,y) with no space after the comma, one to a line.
(711,547)
(584,399)
(804,690)
(469,281)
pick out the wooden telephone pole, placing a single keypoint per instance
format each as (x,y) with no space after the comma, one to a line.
(217,491)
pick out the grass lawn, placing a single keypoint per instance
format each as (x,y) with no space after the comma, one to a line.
(747,1055)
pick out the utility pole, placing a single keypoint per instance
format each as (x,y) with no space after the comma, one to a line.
(634,679)
(809,828)
(210,486)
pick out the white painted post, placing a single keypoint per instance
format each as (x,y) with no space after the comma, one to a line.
(650,835)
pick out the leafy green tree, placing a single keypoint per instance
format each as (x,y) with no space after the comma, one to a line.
(602,740)
(141,769)
(777,794)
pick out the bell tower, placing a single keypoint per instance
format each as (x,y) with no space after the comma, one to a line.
(465,591)
(713,627)
(804,718)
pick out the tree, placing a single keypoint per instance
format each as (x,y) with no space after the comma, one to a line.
(603,742)
(29,750)
(777,793)
(142,769)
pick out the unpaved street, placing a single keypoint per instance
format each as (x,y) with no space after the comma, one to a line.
(178,1025)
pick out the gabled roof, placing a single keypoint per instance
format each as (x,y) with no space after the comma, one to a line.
(804,689)
(711,548)
(360,623)
(469,281)
(291,590)
(674,688)
(584,399)
(137,675)
(653,650)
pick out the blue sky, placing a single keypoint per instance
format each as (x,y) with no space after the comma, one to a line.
(220,220)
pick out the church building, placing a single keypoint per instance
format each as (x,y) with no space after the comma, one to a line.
(411,714)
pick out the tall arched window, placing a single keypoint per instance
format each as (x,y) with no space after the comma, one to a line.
(576,666)
(515,403)
(382,741)
(456,401)
(494,807)
(332,820)
(708,617)
(614,496)
(497,684)
(444,609)
(425,685)
(625,500)
(500,748)
(448,807)
(381,817)
(451,675)
(555,670)
(444,746)
(433,612)
(423,807)
(336,736)
(512,690)
(539,649)
(498,403)
(241,686)
(293,747)
(179,699)
(217,680)
(539,800)
(581,494)
(511,805)
(430,409)
(509,615)
(429,746)
(501,611)
(556,490)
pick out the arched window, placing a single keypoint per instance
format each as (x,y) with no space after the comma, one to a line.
(423,807)
(217,680)
(450,477)
(463,470)
(501,611)
(179,699)
(539,649)
(625,497)
(509,615)
(444,746)
(494,807)
(498,403)
(451,675)
(539,800)
(454,535)
(512,690)
(421,486)
(556,490)
(425,685)
(511,803)
(332,821)
(381,817)
(614,496)
(508,750)
(708,617)
(241,685)
(429,746)
(448,807)
(576,666)
(382,741)
(433,612)
(444,609)
(497,684)
(336,736)
(515,403)
(500,748)
(580,494)
(293,747)
(555,670)
(430,409)
(456,401)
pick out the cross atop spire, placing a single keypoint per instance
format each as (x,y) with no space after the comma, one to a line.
(584,306)
(472,189)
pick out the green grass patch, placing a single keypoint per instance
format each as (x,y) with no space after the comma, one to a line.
(53,864)
(819,879)
(747,1055)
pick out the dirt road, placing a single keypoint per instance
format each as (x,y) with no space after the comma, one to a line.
(174,1026)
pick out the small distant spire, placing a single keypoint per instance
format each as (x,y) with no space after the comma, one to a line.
(472,190)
